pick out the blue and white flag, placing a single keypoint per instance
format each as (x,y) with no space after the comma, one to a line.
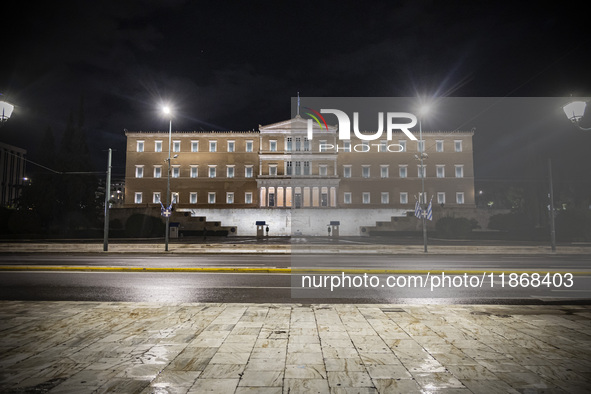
(430,210)
(418,210)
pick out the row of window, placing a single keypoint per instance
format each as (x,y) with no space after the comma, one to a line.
(302,168)
(303,144)
(347,198)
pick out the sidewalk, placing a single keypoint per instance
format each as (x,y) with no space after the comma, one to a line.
(84,347)
(284,248)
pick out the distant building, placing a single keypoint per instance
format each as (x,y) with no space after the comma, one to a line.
(12,173)
(277,175)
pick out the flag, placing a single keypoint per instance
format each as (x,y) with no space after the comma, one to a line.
(418,210)
(430,210)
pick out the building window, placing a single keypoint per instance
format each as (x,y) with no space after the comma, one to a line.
(347,146)
(439,145)
(307,168)
(288,142)
(306,144)
(249,146)
(385,198)
(230,146)
(402,171)
(347,171)
(383,146)
(194,171)
(298,144)
(421,146)
(176,171)
(440,171)
(211,171)
(175,197)
(213,146)
(272,169)
(365,197)
(322,145)
(139,171)
(288,168)
(384,171)
(273,146)
(140,146)
(459,197)
(403,198)
(248,172)
(138,197)
(230,198)
(211,197)
(176,146)
(458,145)
(157,172)
(248,198)
(347,198)
(440,197)
(194,146)
(298,168)
(365,171)
(421,170)
(156,198)
(322,170)
(402,144)
(459,171)
(157,146)
(193,198)
(230,171)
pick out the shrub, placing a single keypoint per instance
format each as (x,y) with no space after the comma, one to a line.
(451,227)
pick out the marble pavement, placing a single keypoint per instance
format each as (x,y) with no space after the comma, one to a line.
(94,347)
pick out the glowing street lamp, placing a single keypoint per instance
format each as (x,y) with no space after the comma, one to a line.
(574,111)
(5,111)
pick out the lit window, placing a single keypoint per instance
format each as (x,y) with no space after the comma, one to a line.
(298,144)
(306,144)
(140,146)
(139,171)
(211,197)
(230,198)
(440,197)
(157,146)
(322,170)
(138,197)
(194,171)
(307,168)
(248,198)
(440,171)
(383,145)
(158,172)
(273,169)
(385,198)
(176,172)
(439,145)
(273,146)
(176,146)
(193,198)
(213,146)
(421,169)
(288,142)
(365,197)
(323,147)
(384,171)
(459,197)
(194,146)
(459,171)
(347,198)
(403,198)
(458,145)
(175,197)
(248,172)
(347,146)
(230,146)
(288,168)
(249,146)
(346,171)
(230,171)
(156,198)
(402,171)
(211,171)
(402,147)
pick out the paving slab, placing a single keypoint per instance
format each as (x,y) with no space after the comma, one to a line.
(97,347)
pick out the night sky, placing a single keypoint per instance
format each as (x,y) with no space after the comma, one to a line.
(235,65)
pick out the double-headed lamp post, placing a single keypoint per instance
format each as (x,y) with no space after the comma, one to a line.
(167,112)
(422,156)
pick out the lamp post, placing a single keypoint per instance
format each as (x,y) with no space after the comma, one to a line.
(575,110)
(166,111)
(422,156)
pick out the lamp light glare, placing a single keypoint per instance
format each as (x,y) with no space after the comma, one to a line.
(575,110)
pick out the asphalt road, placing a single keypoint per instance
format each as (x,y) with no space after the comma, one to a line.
(486,286)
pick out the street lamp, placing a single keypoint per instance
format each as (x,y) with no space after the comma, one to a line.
(5,111)
(421,157)
(574,111)
(167,111)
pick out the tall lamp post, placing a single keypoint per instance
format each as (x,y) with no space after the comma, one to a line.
(167,111)
(421,157)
